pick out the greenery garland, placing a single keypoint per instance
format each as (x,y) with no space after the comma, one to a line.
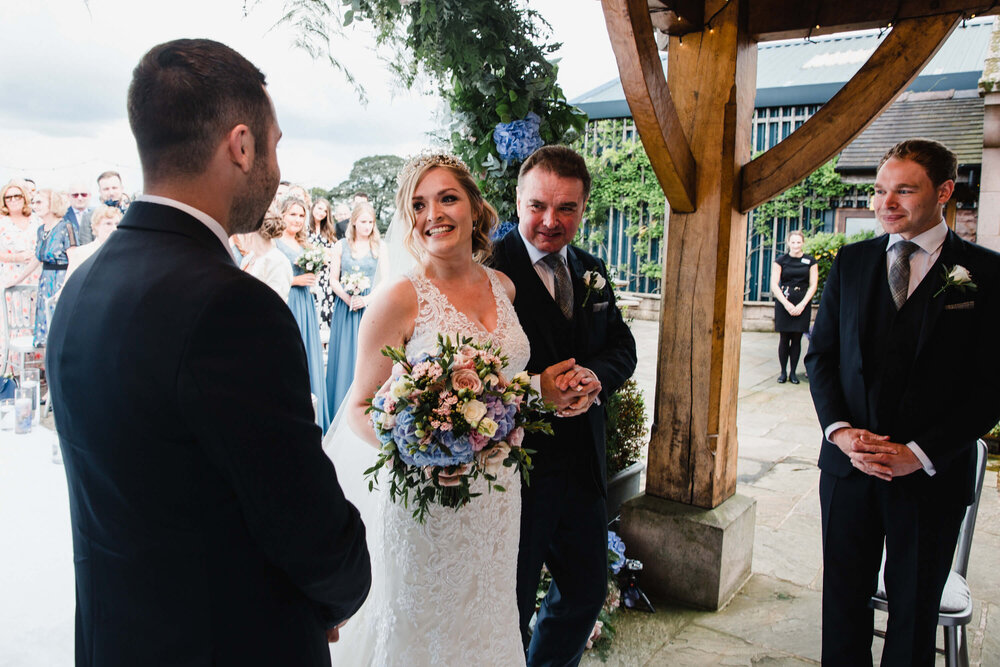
(486,60)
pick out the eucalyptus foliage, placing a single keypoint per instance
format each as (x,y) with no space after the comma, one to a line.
(488,59)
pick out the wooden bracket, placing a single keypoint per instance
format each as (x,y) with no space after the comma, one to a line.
(888,72)
(653,109)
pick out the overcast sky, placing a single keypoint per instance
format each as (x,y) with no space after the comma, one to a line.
(66,66)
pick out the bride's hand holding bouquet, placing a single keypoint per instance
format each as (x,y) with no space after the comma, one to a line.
(449,418)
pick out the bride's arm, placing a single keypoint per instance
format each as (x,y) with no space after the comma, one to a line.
(388,321)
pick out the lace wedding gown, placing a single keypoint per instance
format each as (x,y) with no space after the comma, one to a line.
(443,592)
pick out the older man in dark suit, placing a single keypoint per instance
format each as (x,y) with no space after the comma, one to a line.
(582,351)
(208,526)
(902,366)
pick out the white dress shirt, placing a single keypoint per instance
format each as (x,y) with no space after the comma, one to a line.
(921,261)
(202,217)
(543,270)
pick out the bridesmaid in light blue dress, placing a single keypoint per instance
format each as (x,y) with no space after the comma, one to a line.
(355,255)
(301,302)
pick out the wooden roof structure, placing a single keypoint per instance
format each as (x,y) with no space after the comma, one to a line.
(694,125)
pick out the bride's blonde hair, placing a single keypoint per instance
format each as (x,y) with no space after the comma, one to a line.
(484,216)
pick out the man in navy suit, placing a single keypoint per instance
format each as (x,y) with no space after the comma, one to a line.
(902,367)
(582,351)
(79,198)
(208,526)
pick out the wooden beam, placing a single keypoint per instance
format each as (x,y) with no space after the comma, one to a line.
(786,19)
(692,450)
(889,71)
(648,96)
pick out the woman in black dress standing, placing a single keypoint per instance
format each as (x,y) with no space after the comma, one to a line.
(794,277)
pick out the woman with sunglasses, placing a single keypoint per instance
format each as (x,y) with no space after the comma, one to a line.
(18,230)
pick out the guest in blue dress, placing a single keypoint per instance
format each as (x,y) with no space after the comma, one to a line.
(352,277)
(55,236)
(300,299)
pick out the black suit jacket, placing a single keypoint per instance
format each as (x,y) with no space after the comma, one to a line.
(598,338)
(208,526)
(952,397)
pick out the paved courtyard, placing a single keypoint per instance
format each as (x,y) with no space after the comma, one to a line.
(774,620)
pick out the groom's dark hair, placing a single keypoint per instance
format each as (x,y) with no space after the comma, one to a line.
(185,96)
(559,160)
(937,159)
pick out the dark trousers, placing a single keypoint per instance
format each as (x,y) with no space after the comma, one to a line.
(564,526)
(919,533)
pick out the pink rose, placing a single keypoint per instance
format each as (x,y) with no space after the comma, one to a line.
(466,378)
(454,478)
(515,437)
(491,460)
(478,440)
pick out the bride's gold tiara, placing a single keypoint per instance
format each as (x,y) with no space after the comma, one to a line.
(427,159)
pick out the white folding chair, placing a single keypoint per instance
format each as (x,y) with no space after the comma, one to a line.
(956,600)
(18,325)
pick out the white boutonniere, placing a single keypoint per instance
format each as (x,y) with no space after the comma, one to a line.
(594,282)
(957,277)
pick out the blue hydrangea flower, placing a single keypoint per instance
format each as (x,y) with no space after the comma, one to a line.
(518,139)
(616,552)
(502,230)
(461,451)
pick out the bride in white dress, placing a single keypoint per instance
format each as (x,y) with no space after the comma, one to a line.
(443,592)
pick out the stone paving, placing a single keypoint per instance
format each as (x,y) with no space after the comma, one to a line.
(775,619)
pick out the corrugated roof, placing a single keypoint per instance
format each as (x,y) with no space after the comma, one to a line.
(956,120)
(811,72)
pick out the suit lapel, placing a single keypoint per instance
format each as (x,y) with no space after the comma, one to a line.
(951,252)
(872,269)
(529,285)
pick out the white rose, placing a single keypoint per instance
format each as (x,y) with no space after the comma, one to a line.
(960,274)
(521,378)
(491,379)
(473,411)
(487,427)
(400,389)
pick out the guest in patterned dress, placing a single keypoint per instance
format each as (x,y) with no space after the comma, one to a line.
(300,300)
(18,231)
(322,235)
(55,236)
(354,259)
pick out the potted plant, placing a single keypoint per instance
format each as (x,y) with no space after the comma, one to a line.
(625,434)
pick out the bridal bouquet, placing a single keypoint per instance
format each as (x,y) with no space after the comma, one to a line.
(448,418)
(355,283)
(311,260)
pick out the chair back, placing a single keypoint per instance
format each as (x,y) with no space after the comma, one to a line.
(18,317)
(961,562)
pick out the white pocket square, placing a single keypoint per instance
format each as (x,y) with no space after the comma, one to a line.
(965,305)
(600,306)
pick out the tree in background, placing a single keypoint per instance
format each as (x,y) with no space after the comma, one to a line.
(374,175)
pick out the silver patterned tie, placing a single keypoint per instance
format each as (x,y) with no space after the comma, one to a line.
(899,272)
(564,288)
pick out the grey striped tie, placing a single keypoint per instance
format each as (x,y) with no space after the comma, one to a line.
(899,272)
(564,288)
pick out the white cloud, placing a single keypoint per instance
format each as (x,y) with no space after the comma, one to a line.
(67,64)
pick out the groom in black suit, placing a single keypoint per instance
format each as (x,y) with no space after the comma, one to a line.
(902,367)
(208,526)
(580,354)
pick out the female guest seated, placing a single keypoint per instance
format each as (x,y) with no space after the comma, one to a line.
(264,261)
(322,235)
(292,244)
(794,277)
(54,238)
(104,220)
(352,276)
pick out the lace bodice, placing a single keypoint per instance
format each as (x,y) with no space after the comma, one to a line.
(444,592)
(438,315)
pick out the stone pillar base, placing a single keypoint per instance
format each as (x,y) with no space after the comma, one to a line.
(698,557)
